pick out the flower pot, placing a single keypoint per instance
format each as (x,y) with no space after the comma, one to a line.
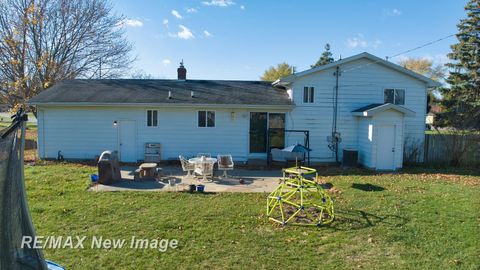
(200,188)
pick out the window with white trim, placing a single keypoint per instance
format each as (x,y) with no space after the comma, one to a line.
(308,94)
(152,118)
(206,118)
(394,96)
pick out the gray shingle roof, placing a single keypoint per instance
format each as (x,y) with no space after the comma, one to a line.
(368,107)
(156,92)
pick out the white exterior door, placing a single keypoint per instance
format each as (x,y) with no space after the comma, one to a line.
(127,141)
(386,147)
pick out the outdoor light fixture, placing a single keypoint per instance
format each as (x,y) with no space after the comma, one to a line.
(232,115)
(115,123)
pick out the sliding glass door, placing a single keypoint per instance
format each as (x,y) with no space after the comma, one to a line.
(276,127)
(258,132)
(266,128)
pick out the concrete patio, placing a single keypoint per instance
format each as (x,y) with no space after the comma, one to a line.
(239,180)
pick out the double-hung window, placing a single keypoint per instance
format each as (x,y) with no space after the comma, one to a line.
(394,96)
(308,94)
(206,118)
(152,118)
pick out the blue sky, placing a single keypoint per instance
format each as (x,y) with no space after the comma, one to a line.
(239,39)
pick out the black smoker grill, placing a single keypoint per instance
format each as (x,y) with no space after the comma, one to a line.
(108,168)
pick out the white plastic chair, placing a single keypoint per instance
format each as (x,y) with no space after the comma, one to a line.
(205,169)
(225,163)
(207,155)
(187,166)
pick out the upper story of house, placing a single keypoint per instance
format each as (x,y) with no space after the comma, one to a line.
(362,79)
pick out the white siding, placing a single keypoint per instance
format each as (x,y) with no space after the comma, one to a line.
(361,83)
(83,132)
(365,142)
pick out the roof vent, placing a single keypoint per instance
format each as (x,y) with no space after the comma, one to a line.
(192,94)
(169,94)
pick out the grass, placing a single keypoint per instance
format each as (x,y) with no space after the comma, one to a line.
(419,218)
(452,132)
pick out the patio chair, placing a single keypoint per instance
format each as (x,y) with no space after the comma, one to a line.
(207,155)
(204,169)
(186,165)
(225,163)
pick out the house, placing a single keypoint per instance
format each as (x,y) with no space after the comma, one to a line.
(361,102)
(434,110)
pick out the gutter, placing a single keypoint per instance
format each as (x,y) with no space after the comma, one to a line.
(168,105)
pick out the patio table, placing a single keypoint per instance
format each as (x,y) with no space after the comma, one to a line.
(201,160)
(198,160)
(148,170)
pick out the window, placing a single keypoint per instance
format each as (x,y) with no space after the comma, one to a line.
(206,119)
(394,96)
(152,118)
(308,94)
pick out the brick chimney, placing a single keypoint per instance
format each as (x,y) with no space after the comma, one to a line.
(181,72)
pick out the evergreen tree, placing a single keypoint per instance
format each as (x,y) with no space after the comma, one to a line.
(325,58)
(461,100)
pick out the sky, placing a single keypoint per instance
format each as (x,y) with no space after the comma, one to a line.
(239,39)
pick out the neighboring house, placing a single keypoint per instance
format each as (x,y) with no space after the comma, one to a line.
(434,110)
(380,108)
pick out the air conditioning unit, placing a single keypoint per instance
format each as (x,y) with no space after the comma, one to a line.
(152,152)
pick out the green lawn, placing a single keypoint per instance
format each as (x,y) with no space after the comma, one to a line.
(420,220)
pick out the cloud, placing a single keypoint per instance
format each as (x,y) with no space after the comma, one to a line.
(130,23)
(357,42)
(207,34)
(396,12)
(219,3)
(166,62)
(192,10)
(165,22)
(185,33)
(176,14)
(360,42)
(242,7)
(375,44)
(392,12)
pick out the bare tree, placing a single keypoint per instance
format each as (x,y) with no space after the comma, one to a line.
(45,41)
(140,74)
